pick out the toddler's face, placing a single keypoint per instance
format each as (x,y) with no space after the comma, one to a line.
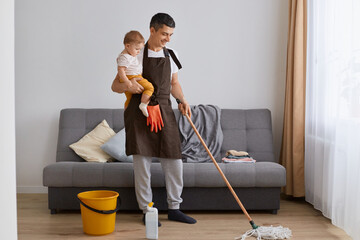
(134,48)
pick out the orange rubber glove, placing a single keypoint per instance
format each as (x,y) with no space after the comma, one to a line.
(154,118)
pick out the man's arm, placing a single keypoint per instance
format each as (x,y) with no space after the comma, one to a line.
(176,92)
(119,87)
(123,77)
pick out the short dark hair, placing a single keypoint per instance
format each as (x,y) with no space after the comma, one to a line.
(159,19)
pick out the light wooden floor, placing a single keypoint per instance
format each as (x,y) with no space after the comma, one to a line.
(35,222)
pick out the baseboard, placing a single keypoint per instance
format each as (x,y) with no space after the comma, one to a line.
(31,189)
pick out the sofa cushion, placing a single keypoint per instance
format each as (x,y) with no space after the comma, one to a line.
(120,174)
(248,130)
(88,147)
(115,147)
(74,123)
(88,174)
(260,174)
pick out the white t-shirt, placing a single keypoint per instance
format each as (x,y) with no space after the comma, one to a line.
(159,54)
(132,64)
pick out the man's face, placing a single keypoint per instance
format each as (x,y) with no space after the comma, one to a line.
(161,36)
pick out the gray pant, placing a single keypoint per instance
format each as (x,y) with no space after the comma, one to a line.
(173,171)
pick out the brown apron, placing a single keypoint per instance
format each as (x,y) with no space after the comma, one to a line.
(139,139)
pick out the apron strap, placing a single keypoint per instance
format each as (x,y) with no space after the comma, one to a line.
(176,60)
(145,54)
(166,53)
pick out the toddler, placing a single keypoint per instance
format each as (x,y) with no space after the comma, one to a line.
(129,67)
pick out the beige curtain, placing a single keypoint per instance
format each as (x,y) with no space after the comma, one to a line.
(293,143)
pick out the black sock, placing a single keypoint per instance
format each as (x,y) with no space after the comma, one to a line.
(143,219)
(177,215)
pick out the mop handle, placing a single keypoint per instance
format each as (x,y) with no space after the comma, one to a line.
(219,169)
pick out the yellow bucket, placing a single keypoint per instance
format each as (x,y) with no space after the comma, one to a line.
(98,211)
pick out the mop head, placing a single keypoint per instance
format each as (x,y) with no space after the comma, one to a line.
(270,232)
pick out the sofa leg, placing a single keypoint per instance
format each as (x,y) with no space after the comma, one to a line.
(53,211)
(274,211)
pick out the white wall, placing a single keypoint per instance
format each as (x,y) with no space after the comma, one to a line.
(233,54)
(8,227)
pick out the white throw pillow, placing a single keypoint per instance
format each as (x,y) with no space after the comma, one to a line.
(88,147)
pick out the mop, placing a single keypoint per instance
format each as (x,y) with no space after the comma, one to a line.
(260,232)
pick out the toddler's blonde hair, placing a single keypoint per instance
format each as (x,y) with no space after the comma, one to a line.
(134,37)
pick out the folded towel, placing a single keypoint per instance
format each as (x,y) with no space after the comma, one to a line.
(236,153)
(233,156)
(242,160)
(237,157)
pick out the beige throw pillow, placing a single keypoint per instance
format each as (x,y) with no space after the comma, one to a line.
(88,147)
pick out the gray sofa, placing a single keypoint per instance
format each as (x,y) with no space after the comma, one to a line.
(257,185)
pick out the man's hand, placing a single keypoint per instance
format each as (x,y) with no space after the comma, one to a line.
(136,88)
(119,87)
(128,84)
(184,108)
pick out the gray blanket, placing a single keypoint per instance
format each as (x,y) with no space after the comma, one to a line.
(206,118)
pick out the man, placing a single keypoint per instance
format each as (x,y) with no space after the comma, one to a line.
(160,67)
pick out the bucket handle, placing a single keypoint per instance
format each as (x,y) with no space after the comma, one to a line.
(118,203)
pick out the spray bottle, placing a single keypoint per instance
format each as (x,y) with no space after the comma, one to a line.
(151,222)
